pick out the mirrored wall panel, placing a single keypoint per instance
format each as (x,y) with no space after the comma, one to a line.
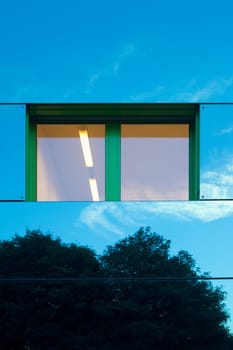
(154,161)
(70,162)
(12,151)
(120,258)
(216,151)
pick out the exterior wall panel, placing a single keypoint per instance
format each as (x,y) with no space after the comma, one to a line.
(12,152)
(216,151)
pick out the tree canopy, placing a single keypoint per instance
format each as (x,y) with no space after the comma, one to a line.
(111,313)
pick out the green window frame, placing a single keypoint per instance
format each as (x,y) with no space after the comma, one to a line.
(112,115)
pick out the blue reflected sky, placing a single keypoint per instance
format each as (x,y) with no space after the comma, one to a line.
(134,51)
(116,51)
(201,228)
(12,152)
(216,150)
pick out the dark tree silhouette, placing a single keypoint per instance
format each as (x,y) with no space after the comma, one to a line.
(187,314)
(110,313)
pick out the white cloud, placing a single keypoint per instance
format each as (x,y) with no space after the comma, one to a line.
(115,218)
(217,182)
(92,82)
(96,216)
(191,92)
(225,131)
(147,95)
(203,211)
(128,50)
(203,94)
(71,95)
(93,79)
(111,69)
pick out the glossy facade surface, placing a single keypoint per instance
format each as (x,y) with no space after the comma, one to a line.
(42,148)
(20,156)
(216,151)
(12,151)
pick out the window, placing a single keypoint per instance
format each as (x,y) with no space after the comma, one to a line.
(136,152)
(66,153)
(154,161)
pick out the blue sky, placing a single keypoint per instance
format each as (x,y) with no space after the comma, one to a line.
(128,51)
(202,228)
(116,51)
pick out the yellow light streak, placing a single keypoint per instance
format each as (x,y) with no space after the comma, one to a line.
(86,149)
(94,190)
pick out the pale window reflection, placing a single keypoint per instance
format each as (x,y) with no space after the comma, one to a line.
(70,162)
(155,162)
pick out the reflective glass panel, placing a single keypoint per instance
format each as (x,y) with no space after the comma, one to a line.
(216,151)
(190,234)
(12,151)
(70,162)
(154,161)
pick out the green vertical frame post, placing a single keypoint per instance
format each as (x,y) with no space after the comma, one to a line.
(194,158)
(113,162)
(31,168)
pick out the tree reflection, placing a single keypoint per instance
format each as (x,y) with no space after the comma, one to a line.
(109,302)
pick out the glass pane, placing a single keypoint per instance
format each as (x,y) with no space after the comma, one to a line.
(216,146)
(12,152)
(70,162)
(184,235)
(154,161)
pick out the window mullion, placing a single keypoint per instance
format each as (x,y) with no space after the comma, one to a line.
(113,162)
(31,167)
(194,177)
